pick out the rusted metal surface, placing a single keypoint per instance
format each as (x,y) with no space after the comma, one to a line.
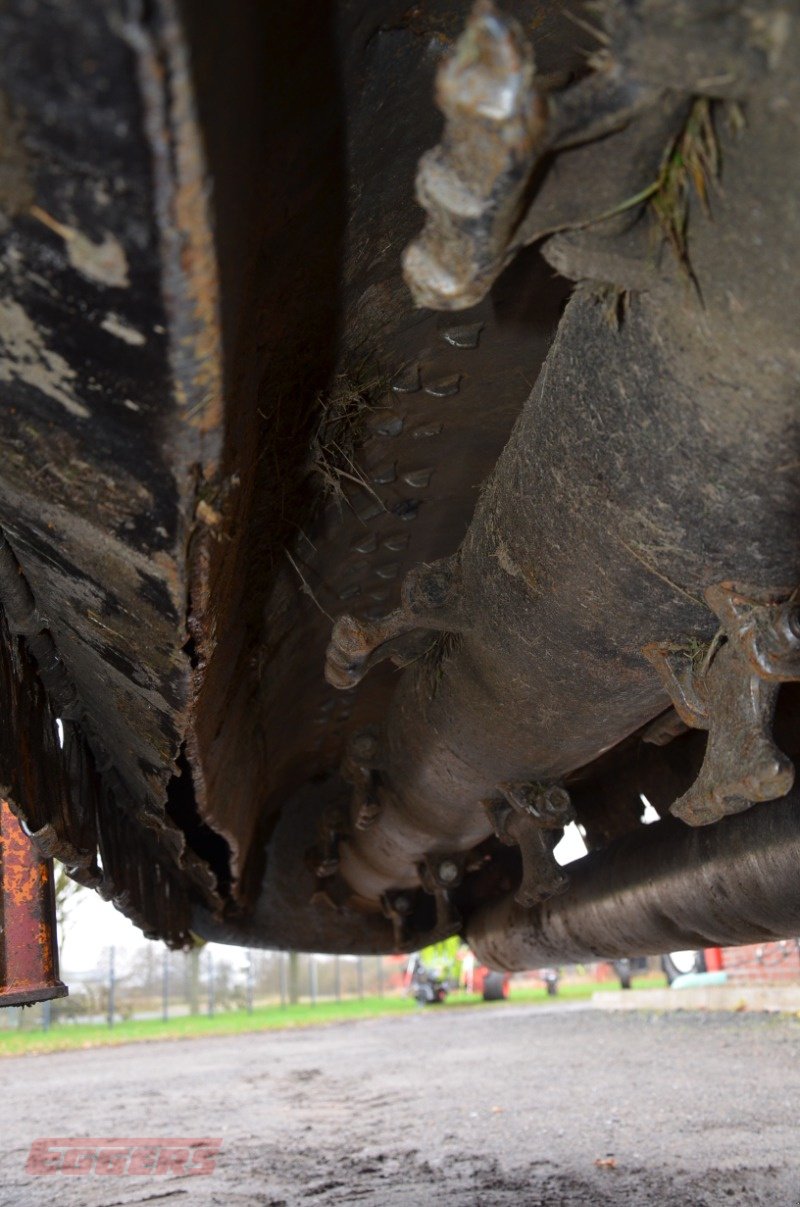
(109,359)
(568,566)
(295,438)
(240,707)
(665,887)
(731,690)
(426,438)
(70,811)
(488,189)
(466,719)
(73,800)
(480,185)
(28,946)
(106,247)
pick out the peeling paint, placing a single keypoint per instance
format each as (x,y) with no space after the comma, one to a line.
(28,956)
(104,263)
(114,324)
(184,212)
(26,358)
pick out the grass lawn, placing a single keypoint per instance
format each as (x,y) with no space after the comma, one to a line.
(65,1036)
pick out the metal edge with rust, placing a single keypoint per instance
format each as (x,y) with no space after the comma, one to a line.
(28,939)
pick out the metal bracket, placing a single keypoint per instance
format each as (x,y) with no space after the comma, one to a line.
(361,767)
(323,858)
(429,602)
(28,948)
(731,689)
(398,906)
(443,872)
(438,874)
(523,819)
(500,122)
(472,185)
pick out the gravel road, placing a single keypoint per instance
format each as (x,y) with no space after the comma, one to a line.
(507,1105)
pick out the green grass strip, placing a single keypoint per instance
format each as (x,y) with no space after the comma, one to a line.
(62,1037)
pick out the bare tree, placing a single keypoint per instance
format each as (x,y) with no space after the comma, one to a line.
(67,892)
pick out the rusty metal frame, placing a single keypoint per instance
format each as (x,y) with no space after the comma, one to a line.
(28,941)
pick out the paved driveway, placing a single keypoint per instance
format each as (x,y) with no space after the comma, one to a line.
(508,1105)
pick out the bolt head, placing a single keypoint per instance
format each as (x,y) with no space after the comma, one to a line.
(363,746)
(557,801)
(447,871)
(793,621)
(326,867)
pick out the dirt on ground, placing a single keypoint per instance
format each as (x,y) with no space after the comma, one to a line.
(503,1105)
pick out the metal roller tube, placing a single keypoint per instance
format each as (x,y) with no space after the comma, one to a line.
(648,465)
(556,601)
(663,888)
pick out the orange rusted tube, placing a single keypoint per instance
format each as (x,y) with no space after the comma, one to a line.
(28,953)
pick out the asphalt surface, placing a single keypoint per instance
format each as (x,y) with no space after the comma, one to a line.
(505,1105)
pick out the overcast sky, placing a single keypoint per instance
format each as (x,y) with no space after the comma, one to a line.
(95,925)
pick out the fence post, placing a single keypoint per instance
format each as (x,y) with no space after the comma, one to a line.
(282,976)
(250,976)
(360,968)
(380,975)
(337,977)
(294,978)
(47,1014)
(312,978)
(165,985)
(193,979)
(210,985)
(111,985)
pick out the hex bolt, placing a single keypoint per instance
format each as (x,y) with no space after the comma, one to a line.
(448,872)
(548,805)
(28,951)
(556,803)
(327,865)
(363,746)
(523,818)
(793,622)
